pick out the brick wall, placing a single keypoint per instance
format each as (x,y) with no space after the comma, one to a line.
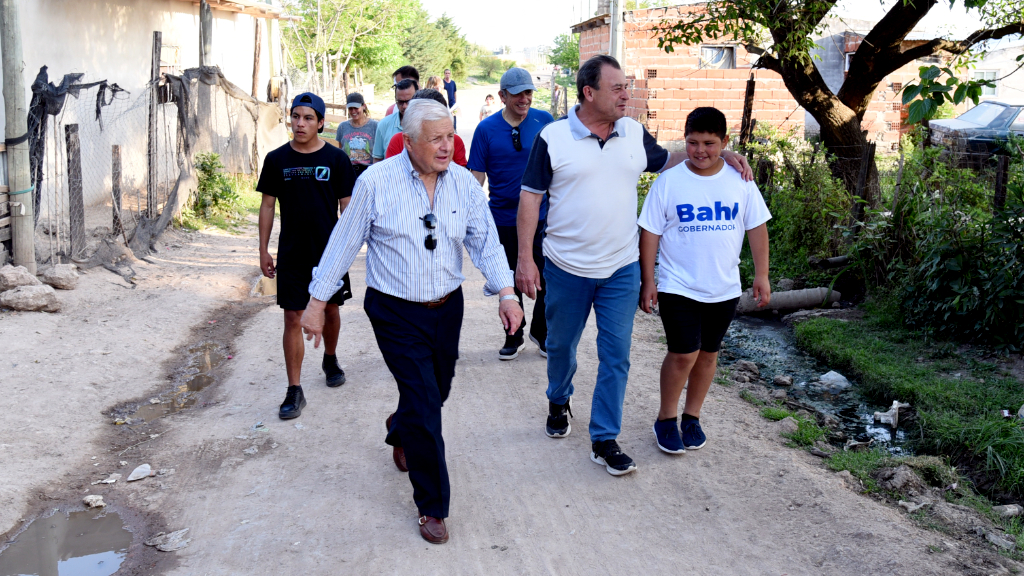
(667,86)
(594,41)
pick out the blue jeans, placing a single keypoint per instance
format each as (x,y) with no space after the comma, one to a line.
(569,300)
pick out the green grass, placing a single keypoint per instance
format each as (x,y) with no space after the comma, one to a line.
(746,395)
(774,413)
(959,416)
(807,433)
(229,218)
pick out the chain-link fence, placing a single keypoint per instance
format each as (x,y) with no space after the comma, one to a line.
(113,167)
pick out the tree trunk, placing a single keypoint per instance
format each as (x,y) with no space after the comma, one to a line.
(846,144)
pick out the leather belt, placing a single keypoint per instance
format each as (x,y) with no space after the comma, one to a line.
(437,303)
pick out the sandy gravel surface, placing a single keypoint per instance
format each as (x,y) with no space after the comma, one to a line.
(320,494)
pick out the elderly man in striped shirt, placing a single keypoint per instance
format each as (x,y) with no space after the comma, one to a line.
(416,212)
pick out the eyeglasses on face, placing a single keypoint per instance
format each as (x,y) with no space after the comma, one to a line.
(430,221)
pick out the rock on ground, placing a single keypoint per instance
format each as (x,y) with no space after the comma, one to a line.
(94,501)
(62,276)
(12,277)
(781,380)
(901,479)
(31,299)
(788,425)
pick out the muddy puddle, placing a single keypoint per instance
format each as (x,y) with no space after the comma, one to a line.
(772,346)
(196,375)
(88,543)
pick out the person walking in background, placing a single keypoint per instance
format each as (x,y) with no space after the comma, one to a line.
(501,148)
(403,73)
(589,164)
(391,125)
(697,214)
(450,88)
(311,180)
(417,214)
(488,108)
(356,135)
(398,142)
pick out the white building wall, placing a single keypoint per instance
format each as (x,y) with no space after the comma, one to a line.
(112,40)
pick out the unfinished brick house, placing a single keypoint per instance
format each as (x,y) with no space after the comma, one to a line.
(666,87)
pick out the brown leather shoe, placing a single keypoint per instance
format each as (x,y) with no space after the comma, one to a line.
(433,530)
(398,455)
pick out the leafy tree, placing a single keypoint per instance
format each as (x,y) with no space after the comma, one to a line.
(566,52)
(782,33)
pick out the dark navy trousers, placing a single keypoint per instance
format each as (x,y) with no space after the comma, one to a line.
(420,346)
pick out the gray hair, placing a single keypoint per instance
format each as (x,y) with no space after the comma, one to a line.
(422,110)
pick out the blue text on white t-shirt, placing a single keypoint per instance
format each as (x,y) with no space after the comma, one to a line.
(705,213)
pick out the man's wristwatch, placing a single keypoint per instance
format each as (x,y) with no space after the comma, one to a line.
(508,297)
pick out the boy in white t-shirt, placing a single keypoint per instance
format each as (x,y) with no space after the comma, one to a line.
(697,213)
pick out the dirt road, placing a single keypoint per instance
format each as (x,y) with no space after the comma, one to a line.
(320,495)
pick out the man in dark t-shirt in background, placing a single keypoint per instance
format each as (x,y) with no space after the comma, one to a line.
(312,181)
(449,88)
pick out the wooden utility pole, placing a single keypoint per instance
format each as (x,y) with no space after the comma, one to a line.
(16,128)
(151,140)
(746,126)
(256,59)
(116,226)
(554,92)
(205,33)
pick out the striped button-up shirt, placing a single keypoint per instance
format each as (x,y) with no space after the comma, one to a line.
(386,212)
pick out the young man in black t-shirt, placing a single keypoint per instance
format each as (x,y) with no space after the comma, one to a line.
(311,180)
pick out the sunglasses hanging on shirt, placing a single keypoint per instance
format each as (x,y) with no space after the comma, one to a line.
(517,141)
(430,221)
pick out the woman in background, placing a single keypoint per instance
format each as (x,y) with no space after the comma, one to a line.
(355,136)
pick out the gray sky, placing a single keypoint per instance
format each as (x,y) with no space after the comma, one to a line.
(534,22)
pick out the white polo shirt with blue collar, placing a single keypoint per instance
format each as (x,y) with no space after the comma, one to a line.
(591,228)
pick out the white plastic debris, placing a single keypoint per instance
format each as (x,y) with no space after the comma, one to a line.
(835,379)
(143,471)
(94,501)
(892,415)
(109,480)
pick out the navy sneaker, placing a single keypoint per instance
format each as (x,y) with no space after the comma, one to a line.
(608,454)
(558,419)
(693,436)
(667,435)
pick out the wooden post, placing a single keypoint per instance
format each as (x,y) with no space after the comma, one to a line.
(116,226)
(256,59)
(21,196)
(205,33)
(862,182)
(554,99)
(1002,173)
(76,199)
(151,140)
(746,127)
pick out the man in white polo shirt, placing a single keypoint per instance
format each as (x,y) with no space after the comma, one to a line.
(589,164)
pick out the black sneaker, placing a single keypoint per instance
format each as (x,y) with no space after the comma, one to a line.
(541,347)
(294,402)
(513,345)
(558,419)
(608,454)
(335,375)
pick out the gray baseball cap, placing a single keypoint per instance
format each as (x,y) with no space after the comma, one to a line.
(515,80)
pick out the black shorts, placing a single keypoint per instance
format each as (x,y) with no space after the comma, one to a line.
(293,289)
(691,325)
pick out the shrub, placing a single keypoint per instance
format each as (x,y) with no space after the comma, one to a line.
(214,191)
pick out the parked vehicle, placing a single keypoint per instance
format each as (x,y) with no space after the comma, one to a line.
(980,132)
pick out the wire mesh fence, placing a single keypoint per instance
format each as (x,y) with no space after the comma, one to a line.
(95,171)
(113,167)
